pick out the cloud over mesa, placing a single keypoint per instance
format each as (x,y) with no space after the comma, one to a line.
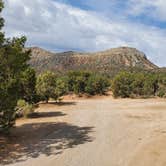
(60,26)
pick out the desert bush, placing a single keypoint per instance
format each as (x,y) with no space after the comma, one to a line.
(122,85)
(97,84)
(24,109)
(161,85)
(28,86)
(77,81)
(61,88)
(45,85)
(50,86)
(161,93)
(86,82)
(150,86)
(137,84)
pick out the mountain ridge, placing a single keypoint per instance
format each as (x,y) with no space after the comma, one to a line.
(102,61)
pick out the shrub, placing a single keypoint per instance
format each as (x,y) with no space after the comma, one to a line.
(61,88)
(50,86)
(150,85)
(161,93)
(77,81)
(45,86)
(122,85)
(97,84)
(28,86)
(134,84)
(138,84)
(24,108)
(87,82)
(161,85)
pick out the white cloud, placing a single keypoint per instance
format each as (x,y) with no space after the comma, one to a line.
(152,8)
(57,26)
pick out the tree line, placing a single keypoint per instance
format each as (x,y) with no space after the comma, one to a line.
(139,84)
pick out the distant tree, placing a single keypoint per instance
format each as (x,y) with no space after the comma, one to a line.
(151,85)
(61,88)
(161,92)
(50,86)
(28,86)
(87,82)
(77,81)
(122,85)
(138,84)
(97,84)
(2,38)
(46,85)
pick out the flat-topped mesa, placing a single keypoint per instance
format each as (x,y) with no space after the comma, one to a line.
(39,52)
(129,57)
(126,50)
(104,61)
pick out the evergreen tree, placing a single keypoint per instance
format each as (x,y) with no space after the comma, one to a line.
(13,61)
(46,85)
(28,86)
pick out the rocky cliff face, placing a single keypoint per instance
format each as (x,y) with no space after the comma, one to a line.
(105,61)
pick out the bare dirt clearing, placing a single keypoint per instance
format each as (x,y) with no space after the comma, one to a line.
(90,132)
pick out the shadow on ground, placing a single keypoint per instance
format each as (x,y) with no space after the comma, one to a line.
(46,114)
(68,103)
(32,140)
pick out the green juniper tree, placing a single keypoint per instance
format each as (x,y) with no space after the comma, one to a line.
(13,61)
(28,86)
(122,85)
(97,84)
(48,86)
(45,86)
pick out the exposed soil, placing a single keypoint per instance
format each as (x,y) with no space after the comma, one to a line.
(99,131)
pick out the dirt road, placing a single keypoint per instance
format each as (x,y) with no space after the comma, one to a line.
(92,132)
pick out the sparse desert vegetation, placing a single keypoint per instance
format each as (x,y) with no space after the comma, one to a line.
(80,109)
(139,84)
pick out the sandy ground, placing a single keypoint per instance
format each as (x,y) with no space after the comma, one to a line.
(90,132)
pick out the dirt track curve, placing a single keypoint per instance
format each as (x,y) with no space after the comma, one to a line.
(92,132)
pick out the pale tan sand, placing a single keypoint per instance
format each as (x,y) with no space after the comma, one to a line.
(94,132)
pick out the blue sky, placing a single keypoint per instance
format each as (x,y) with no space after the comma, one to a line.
(90,25)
